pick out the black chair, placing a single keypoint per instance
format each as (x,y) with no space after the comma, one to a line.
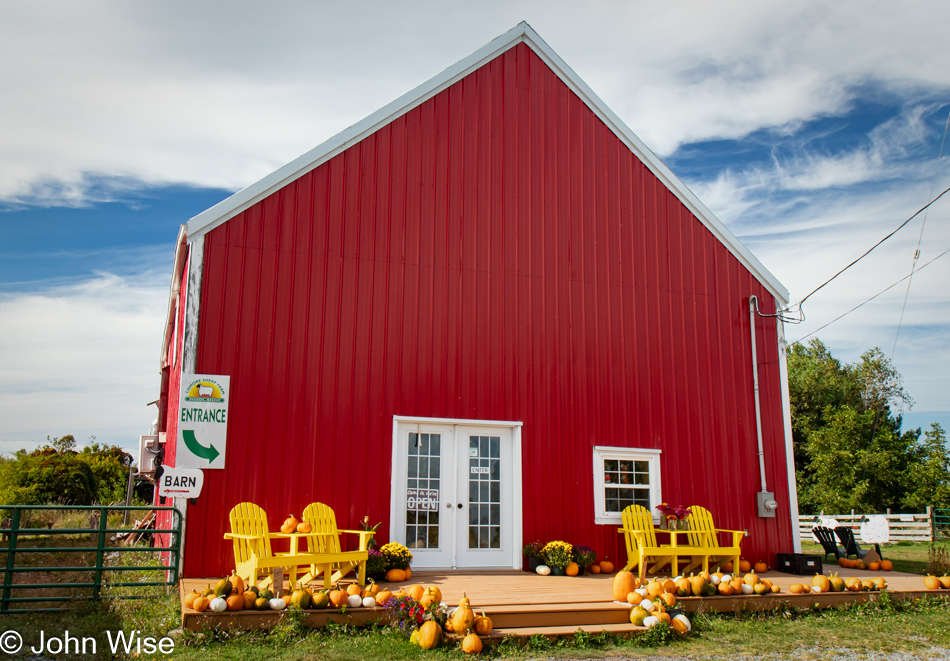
(846,535)
(826,537)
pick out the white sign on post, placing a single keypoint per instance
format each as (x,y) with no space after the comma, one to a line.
(202,421)
(180,482)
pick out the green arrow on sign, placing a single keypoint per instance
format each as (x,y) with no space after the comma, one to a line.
(197,448)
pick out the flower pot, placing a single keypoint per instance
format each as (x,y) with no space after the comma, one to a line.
(557,571)
(533,563)
(581,570)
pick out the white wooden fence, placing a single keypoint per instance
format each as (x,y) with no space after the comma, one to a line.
(903,527)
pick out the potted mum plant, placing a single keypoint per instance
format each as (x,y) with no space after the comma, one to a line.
(557,555)
(584,556)
(532,551)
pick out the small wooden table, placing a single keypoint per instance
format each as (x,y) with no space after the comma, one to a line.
(295,554)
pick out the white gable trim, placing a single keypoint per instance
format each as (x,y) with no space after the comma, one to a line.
(521,33)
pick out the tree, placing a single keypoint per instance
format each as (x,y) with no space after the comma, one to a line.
(928,476)
(56,473)
(849,450)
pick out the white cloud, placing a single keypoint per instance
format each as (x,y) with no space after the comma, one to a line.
(81,359)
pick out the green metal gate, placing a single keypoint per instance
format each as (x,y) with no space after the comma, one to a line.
(98,569)
(941,523)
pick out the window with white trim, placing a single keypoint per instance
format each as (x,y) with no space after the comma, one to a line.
(622,477)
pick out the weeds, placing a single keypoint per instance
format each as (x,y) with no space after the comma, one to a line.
(938,560)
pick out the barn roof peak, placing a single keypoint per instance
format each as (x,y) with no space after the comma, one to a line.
(521,33)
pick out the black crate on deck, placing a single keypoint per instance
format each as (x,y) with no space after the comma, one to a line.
(798,563)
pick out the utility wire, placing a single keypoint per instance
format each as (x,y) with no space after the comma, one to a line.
(913,266)
(799,340)
(868,251)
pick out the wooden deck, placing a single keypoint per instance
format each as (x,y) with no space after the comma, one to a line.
(523,604)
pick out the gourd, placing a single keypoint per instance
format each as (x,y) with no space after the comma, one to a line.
(277,604)
(218,605)
(301,599)
(624,583)
(261,604)
(821,581)
(354,601)
(637,615)
(289,525)
(651,621)
(237,583)
(471,644)
(369,602)
(371,590)
(681,624)
(249,599)
(483,624)
(320,600)
(429,636)
(304,527)
(223,588)
(201,604)
(543,570)
(464,618)
(416,592)
(430,597)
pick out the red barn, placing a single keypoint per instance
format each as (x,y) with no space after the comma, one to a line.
(486,314)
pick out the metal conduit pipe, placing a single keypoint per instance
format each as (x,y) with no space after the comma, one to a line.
(765,500)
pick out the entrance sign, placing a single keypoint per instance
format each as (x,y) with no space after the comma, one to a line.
(180,482)
(202,421)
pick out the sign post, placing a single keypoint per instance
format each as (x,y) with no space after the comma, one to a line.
(202,421)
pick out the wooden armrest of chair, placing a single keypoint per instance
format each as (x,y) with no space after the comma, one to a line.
(234,535)
(365,536)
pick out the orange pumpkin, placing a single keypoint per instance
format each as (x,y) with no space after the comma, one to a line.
(304,527)
(796,588)
(624,583)
(383,596)
(338,598)
(471,644)
(887,565)
(744,566)
(235,602)
(408,573)
(396,575)
(931,582)
(237,583)
(416,592)
(194,594)
(727,568)
(572,569)
(483,625)
(201,604)
(289,525)
(761,568)
(353,589)
(594,569)
(606,566)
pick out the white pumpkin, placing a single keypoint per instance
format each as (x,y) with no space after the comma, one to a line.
(747,589)
(277,604)
(651,621)
(642,592)
(543,570)
(726,577)
(368,602)
(218,605)
(714,579)
(815,589)
(354,601)
(647,605)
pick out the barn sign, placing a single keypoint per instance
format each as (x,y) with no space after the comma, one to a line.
(180,482)
(202,421)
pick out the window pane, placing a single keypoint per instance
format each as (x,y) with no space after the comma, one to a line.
(413,467)
(433,537)
(495,492)
(495,538)
(473,515)
(413,443)
(435,443)
(424,446)
(494,448)
(610,465)
(423,467)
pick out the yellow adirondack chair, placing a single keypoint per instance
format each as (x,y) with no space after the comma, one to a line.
(324,541)
(642,547)
(703,533)
(252,543)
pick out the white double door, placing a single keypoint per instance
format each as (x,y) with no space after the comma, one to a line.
(456,494)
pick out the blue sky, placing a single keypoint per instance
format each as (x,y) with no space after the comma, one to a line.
(810,129)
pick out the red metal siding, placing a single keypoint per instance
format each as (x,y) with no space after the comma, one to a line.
(495,253)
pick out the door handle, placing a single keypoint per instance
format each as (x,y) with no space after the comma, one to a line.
(460,505)
(448,505)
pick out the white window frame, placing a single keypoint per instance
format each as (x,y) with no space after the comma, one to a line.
(603,453)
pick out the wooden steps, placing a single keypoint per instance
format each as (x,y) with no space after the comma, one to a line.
(521,616)
(554,632)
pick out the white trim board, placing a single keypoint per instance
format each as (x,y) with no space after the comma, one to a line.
(521,33)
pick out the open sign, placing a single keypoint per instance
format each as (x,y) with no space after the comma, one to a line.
(422,500)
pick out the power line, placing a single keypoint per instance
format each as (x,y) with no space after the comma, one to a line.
(920,237)
(868,251)
(872,298)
